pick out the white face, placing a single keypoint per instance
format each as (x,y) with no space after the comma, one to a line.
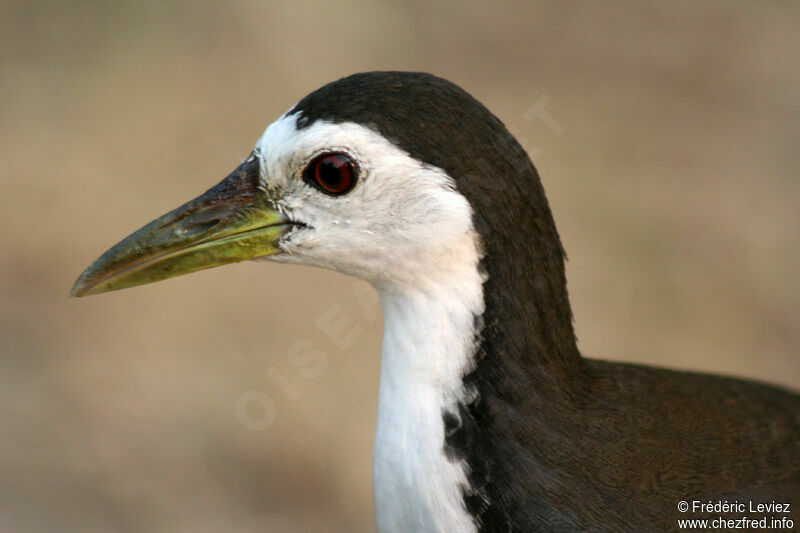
(406,229)
(402,223)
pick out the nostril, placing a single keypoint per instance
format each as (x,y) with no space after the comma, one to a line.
(198,228)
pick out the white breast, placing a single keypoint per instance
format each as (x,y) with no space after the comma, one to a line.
(428,345)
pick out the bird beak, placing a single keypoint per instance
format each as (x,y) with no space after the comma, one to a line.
(233,221)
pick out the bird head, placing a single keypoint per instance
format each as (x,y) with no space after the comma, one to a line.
(325,186)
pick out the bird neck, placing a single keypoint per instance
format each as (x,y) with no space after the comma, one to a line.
(429,345)
(481,328)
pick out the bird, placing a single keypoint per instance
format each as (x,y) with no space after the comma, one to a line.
(489,417)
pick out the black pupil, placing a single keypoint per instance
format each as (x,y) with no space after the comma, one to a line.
(334,173)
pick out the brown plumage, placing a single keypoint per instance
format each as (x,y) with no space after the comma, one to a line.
(556,442)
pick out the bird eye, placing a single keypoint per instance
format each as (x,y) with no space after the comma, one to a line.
(332,173)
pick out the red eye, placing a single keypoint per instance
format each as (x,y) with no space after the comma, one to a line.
(333,174)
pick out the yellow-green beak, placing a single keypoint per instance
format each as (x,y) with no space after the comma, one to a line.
(233,221)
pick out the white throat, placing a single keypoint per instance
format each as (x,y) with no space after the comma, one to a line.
(406,229)
(428,346)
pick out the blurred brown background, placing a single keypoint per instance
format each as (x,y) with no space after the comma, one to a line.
(669,154)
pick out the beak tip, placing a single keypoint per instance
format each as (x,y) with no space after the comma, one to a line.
(82,287)
(77,290)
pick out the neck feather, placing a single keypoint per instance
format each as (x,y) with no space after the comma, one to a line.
(485,337)
(428,347)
